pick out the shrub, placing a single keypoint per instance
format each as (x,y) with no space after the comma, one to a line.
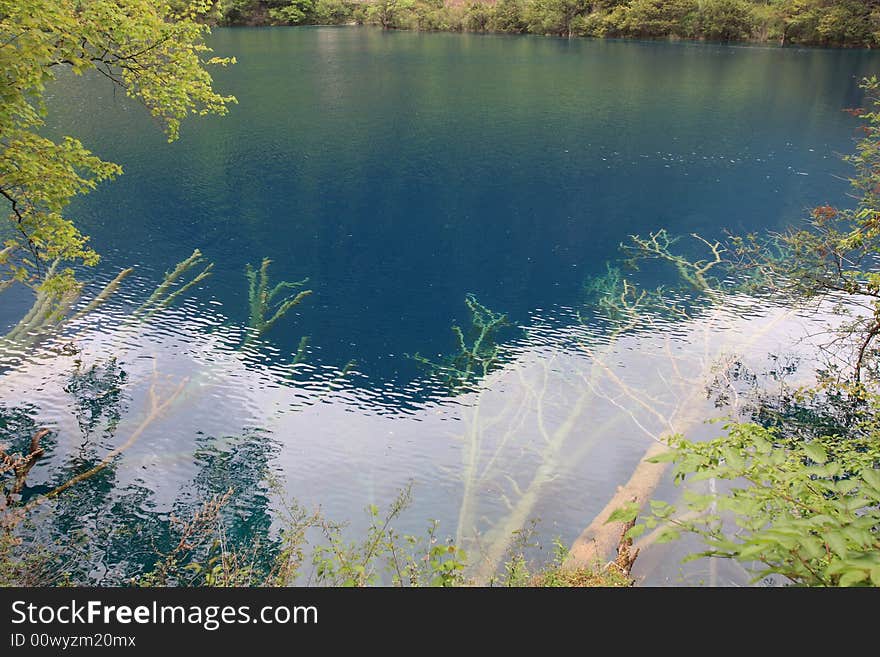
(808,511)
(726,20)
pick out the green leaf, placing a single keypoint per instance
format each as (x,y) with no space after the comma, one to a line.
(816,452)
(697,501)
(837,543)
(661,509)
(853,577)
(627,513)
(856,503)
(665,457)
(812,547)
(635,531)
(668,534)
(872,477)
(846,485)
(761,446)
(751,550)
(734,460)
(860,537)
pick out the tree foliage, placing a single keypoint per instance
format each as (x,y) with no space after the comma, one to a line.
(822,22)
(153,50)
(478,348)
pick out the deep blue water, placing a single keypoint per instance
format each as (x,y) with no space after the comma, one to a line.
(400,171)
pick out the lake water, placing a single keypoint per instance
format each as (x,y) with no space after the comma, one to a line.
(400,172)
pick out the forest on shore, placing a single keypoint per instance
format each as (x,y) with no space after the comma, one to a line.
(843,23)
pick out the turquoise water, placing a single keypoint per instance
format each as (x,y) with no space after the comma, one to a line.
(400,172)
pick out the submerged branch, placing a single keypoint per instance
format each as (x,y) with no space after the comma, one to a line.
(157,408)
(163,296)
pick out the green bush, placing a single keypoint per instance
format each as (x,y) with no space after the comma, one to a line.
(726,20)
(808,511)
(390,14)
(297,12)
(553,16)
(591,25)
(850,22)
(655,18)
(333,12)
(433,15)
(477,17)
(509,16)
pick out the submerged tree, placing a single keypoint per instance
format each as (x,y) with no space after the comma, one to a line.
(55,309)
(478,348)
(174,285)
(268,305)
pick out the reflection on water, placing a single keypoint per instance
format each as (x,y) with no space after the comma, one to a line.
(548,435)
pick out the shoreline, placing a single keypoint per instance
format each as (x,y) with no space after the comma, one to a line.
(575,37)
